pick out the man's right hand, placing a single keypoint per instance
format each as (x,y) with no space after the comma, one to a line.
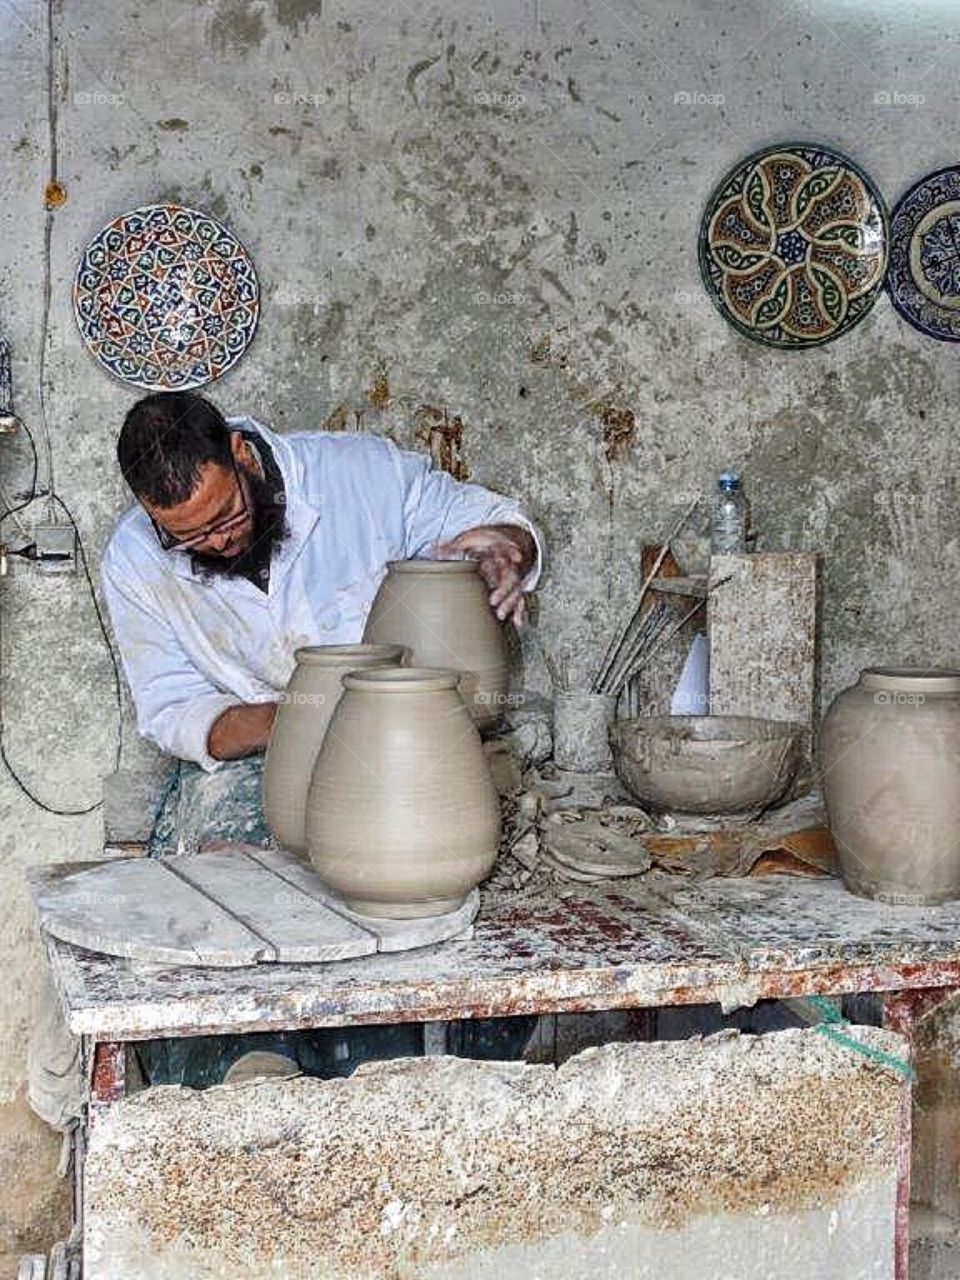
(241,731)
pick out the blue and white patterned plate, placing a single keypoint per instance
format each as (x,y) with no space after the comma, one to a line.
(924,275)
(166,298)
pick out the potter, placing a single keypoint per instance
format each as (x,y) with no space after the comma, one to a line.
(246,545)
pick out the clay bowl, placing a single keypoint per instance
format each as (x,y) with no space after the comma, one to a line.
(706,764)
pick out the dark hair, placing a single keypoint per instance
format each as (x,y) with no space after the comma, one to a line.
(164,441)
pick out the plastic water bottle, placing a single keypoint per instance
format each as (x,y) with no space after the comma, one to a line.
(728,526)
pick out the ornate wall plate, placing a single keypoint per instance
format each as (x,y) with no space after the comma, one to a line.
(793,245)
(166,298)
(924,276)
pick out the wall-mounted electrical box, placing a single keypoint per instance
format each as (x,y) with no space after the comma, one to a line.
(55,548)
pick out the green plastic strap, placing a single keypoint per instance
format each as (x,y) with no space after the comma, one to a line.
(833,1020)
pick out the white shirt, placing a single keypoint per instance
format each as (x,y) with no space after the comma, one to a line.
(193,646)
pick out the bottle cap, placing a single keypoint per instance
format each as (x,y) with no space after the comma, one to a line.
(729,480)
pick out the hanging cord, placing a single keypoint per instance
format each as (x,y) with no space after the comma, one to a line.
(54,501)
(31,795)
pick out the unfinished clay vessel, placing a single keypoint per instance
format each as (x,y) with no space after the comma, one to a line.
(403,818)
(890,754)
(440,610)
(706,764)
(300,725)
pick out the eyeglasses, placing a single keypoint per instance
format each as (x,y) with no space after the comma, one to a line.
(170,543)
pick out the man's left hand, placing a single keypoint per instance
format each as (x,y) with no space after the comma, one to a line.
(505,554)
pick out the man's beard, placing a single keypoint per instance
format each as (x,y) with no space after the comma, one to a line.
(268,532)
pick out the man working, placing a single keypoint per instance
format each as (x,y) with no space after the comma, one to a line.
(245,545)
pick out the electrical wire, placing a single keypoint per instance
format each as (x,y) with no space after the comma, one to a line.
(12,511)
(53,499)
(47,287)
(28,791)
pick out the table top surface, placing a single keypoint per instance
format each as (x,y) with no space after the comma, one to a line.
(643,942)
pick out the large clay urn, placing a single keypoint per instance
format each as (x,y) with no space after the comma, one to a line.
(300,725)
(440,610)
(890,751)
(403,818)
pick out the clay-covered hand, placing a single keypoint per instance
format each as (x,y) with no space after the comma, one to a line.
(505,554)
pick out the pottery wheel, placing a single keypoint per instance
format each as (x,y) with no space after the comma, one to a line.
(225,909)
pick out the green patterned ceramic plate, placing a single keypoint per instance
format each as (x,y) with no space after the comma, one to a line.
(794,244)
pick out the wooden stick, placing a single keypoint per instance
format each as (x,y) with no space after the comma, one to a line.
(651,626)
(658,619)
(608,663)
(686,618)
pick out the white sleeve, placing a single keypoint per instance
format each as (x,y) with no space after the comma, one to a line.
(436,508)
(176,704)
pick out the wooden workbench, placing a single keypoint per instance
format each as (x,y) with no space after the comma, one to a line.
(649,942)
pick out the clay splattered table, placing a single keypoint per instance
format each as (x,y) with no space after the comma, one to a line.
(651,942)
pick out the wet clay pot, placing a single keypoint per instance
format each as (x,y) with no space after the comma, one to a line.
(300,725)
(403,818)
(890,755)
(440,610)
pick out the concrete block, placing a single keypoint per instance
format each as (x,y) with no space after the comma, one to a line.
(745,1157)
(762,626)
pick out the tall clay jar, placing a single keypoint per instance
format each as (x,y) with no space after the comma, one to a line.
(890,749)
(440,610)
(300,725)
(403,818)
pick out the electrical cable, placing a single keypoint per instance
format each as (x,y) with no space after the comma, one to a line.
(53,499)
(27,791)
(4,758)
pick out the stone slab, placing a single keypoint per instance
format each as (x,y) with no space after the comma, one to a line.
(745,1157)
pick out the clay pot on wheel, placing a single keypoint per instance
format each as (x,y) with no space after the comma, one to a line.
(440,610)
(300,725)
(890,752)
(403,819)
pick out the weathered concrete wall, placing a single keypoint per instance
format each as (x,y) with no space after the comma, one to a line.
(751,1157)
(490,209)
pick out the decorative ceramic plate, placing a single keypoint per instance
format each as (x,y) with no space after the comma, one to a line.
(924,276)
(166,297)
(793,245)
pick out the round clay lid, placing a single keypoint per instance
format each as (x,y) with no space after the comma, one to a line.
(432,566)
(402,680)
(335,655)
(911,679)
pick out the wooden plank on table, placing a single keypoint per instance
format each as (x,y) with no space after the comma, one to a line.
(390,935)
(298,924)
(142,910)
